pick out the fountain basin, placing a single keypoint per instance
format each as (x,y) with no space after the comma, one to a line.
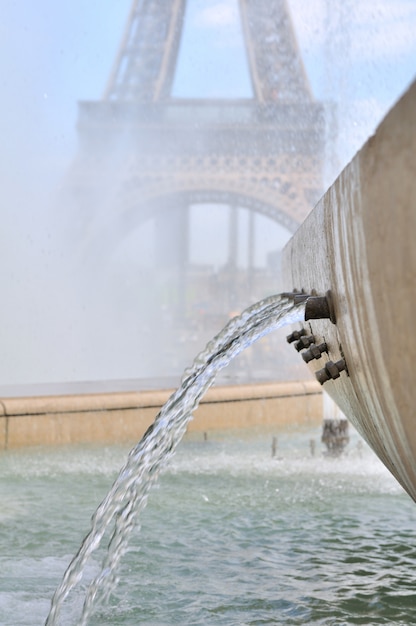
(358,243)
(230,536)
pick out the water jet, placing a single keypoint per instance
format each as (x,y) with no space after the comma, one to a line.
(119,510)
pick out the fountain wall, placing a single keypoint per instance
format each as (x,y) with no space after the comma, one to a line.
(358,243)
(124,416)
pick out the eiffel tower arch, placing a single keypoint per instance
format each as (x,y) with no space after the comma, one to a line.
(154,155)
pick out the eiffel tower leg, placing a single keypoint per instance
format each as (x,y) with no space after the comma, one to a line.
(172,254)
(233,256)
(250,251)
(183,260)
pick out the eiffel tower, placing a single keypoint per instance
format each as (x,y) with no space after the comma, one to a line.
(155,155)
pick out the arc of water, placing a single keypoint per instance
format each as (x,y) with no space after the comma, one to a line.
(128,495)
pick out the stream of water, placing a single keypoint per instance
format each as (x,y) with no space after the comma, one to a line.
(128,495)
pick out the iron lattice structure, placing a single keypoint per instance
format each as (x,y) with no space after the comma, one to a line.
(151,151)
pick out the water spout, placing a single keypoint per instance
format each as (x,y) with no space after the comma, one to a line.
(320,307)
(128,495)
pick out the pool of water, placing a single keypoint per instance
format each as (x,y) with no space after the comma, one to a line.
(230,535)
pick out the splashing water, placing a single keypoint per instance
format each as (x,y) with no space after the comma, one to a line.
(128,495)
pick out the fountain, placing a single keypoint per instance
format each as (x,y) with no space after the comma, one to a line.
(345,334)
(356,337)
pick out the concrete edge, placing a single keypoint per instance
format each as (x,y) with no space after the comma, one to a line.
(148,399)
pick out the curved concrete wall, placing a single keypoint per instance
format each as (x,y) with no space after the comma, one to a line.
(359,242)
(124,417)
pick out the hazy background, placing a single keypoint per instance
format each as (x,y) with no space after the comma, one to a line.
(360,56)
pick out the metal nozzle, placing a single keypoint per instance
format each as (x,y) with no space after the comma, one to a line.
(296,296)
(320,307)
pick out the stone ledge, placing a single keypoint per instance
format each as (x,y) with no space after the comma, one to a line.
(122,417)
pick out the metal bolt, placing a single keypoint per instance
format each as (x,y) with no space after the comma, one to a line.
(296,335)
(330,371)
(304,342)
(314,352)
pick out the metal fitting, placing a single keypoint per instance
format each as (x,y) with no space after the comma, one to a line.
(296,335)
(314,352)
(304,342)
(320,307)
(295,295)
(331,371)
(301,297)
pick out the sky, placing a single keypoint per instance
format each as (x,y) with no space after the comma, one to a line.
(359,55)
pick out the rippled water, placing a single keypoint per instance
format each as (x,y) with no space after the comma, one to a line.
(230,536)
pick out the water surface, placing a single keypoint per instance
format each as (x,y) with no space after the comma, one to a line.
(230,535)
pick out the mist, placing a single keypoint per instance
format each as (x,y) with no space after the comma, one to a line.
(90,292)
